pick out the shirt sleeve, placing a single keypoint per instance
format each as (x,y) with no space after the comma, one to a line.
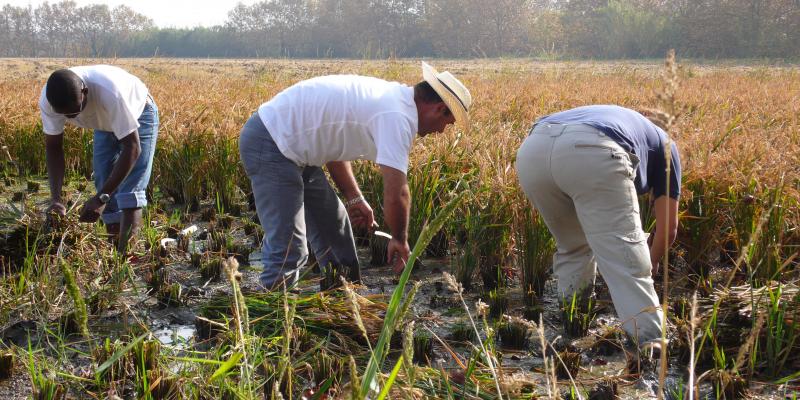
(659,179)
(123,120)
(52,123)
(675,173)
(394,136)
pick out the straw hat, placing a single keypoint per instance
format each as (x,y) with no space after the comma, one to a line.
(451,90)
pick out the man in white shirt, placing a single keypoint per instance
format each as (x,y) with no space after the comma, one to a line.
(331,120)
(118,106)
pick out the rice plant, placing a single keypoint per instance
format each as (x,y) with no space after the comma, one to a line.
(514,333)
(699,225)
(606,389)
(568,364)
(6,364)
(177,168)
(44,386)
(482,235)
(535,254)
(738,236)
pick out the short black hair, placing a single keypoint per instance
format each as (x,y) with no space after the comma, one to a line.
(425,93)
(64,90)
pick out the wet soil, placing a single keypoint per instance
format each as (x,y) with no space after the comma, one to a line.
(435,308)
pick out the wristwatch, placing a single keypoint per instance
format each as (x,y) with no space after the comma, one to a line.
(104,197)
(354,201)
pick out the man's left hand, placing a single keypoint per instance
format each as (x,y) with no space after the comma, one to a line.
(361,215)
(91,210)
(398,252)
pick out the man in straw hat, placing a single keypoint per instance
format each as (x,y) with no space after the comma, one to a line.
(582,169)
(329,121)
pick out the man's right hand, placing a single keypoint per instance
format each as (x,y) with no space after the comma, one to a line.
(57,208)
(398,252)
(361,215)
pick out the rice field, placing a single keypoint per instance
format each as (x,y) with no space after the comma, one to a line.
(476,318)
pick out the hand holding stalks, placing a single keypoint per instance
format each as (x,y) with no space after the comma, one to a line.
(55,215)
(56,207)
(91,210)
(361,215)
(398,252)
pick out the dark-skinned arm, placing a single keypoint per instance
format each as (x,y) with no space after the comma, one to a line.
(131,148)
(396,207)
(54,150)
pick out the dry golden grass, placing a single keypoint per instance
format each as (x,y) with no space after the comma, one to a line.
(741,125)
(742,122)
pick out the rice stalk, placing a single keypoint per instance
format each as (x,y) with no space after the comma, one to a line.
(355,309)
(392,316)
(551,381)
(80,314)
(482,310)
(408,352)
(241,318)
(669,111)
(691,339)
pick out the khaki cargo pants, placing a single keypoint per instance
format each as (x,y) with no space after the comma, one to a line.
(581,182)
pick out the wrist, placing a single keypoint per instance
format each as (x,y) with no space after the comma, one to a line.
(102,197)
(354,200)
(401,237)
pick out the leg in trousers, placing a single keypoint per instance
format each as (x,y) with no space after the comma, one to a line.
(329,229)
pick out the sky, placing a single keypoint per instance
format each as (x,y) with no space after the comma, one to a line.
(165,13)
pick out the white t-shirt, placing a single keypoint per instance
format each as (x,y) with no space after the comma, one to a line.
(115,101)
(343,118)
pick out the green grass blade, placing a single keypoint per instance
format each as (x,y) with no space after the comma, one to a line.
(225,367)
(323,389)
(390,381)
(389,322)
(118,354)
(195,360)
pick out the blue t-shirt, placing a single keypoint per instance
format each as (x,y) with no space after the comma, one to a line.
(637,135)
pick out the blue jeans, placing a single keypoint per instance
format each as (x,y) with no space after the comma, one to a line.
(282,189)
(106,150)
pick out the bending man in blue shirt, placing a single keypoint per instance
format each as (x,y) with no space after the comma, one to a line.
(583,169)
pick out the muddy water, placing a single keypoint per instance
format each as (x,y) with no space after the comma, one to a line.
(438,309)
(440,316)
(435,308)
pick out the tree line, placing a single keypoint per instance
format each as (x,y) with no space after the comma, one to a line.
(418,28)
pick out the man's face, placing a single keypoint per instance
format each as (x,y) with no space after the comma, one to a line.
(434,118)
(77,107)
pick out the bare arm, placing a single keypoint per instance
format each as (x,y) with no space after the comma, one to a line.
(342,174)
(666,211)
(360,213)
(396,206)
(396,202)
(54,149)
(131,148)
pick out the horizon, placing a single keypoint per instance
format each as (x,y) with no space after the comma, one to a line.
(165,14)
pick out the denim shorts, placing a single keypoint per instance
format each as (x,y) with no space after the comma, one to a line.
(131,192)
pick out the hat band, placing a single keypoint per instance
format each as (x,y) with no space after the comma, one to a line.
(452,92)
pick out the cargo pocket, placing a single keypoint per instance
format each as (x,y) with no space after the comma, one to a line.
(636,253)
(629,169)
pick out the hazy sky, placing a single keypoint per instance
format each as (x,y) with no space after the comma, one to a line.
(165,13)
